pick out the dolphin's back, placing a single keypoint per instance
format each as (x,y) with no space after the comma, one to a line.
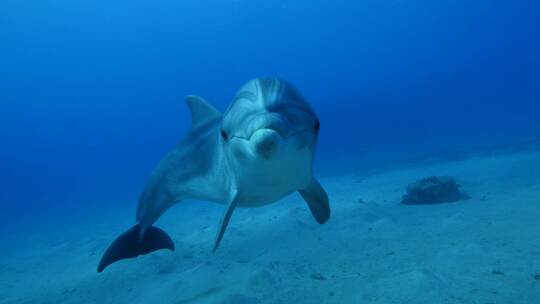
(177,173)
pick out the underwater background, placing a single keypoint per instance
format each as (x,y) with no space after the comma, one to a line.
(91,92)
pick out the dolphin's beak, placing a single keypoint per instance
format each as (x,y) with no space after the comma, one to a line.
(265,142)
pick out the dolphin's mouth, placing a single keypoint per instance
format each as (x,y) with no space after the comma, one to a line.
(283,136)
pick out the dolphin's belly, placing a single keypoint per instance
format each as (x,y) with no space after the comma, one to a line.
(264,182)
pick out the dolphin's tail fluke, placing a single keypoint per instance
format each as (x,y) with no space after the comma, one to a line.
(134,242)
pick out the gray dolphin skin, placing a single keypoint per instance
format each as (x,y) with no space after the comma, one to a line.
(260,150)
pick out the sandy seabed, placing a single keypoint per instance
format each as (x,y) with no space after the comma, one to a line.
(485,250)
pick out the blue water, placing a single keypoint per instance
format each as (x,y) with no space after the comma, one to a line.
(91,92)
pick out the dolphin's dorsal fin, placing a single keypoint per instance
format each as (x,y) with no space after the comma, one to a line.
(201,111)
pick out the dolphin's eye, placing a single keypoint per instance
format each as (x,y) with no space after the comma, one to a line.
(224,135)
(317,126)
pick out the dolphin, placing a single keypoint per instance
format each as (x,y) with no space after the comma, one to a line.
(259,151)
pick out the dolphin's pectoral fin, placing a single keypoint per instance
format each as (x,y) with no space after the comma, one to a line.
(135,242)
(231,204)
(317,200)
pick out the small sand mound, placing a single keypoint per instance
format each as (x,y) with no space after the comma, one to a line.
(433,190)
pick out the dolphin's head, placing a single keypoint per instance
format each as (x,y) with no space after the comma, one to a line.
(270,126)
